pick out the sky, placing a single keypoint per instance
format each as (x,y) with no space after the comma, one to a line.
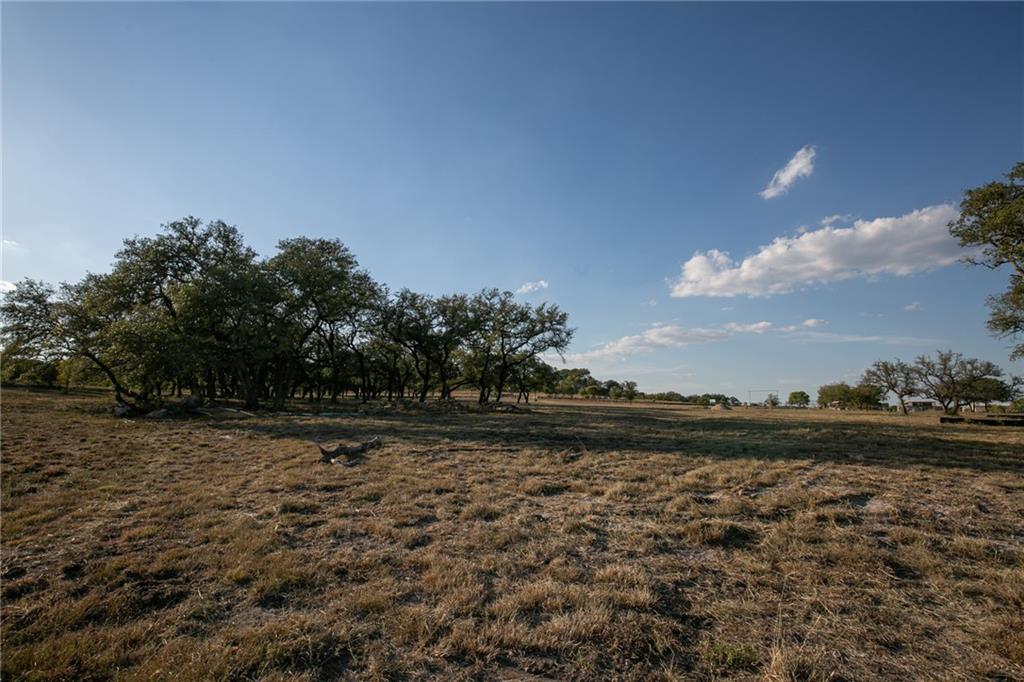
(730,197)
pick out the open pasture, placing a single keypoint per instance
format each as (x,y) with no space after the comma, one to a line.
(570,541)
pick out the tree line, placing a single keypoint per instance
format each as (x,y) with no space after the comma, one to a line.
(579,381)
(195,309)
(948,378)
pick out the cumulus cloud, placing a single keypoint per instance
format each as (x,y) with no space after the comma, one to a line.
(916,305)
(751,328)
(6,287)
(800,166)
(530,287)
(904,245)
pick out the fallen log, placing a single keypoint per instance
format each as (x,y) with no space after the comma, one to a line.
(985,421)
(351,453)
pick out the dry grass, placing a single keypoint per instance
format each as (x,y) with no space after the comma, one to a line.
(678,544)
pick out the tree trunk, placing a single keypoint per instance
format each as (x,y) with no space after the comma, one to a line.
(485,390)
(119,390)
(281,386)
(502,378)
(250,386)
(425,378)
(334,381)
(363,379)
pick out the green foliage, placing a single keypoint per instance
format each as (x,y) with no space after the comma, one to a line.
(27,371)
(730,657)
(844,396)
(991,223)
(833,395)
(1007,317)
(990,390)
(573,381)
(534,375)
(799,399)
(77,371)
(196,307)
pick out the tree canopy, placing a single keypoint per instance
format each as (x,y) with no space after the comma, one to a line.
(949,378)
(842,395)
(195,308)
(799,399)
(897,378)
(991,222)
(953,380)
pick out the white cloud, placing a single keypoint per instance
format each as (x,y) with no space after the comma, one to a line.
(751,328)
(658,336)
(915,242)
(830,337)
(6,287)
(800,166)
(530,287)
(10,244)
(830,220)
(661,335)
(651,303)
(916,305)
(806,324)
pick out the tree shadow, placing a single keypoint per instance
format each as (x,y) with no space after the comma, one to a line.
(600,429)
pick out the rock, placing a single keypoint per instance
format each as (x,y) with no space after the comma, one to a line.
(121,410)
(157,414)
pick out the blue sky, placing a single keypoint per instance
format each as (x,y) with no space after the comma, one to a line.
(597,148)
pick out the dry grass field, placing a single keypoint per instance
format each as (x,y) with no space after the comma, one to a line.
(569,541)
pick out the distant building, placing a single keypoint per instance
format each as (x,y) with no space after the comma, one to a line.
(922,405)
